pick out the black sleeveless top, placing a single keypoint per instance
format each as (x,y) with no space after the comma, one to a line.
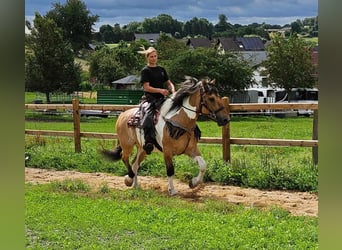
(157,77)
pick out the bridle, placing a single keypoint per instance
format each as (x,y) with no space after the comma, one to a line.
(212,114)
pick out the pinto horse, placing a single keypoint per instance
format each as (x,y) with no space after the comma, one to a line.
(176,130)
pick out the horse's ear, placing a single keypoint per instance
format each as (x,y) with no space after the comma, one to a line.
(204,82)
(213,81)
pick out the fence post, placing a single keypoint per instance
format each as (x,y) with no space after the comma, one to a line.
(77,127)
(315,136)
(226,134)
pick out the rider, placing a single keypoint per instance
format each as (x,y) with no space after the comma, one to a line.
(156,85)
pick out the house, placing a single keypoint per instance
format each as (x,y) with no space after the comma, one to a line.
(250,43)
(240,44)
(254,58)
(152,38)
(249,49)
(281,31)
(194,43)
(224,44)
(128,82)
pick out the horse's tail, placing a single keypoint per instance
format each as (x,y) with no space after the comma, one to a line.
(113,155)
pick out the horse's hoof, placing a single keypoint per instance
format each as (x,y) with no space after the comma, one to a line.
(191,184)
(128,181)
(172,192)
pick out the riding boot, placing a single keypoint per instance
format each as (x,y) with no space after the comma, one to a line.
(149,133)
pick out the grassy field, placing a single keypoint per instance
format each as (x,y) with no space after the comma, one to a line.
(69,215)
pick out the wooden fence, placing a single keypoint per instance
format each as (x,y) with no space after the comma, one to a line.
(225,140)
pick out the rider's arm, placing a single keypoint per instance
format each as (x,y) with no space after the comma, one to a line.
(171,86)
(150,89)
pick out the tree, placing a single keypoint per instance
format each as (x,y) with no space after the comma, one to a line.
(230,72)
(161,23)
(75,21)
(108,64)
(200,26)
(50,64)
(117,33)
(107,33)
(222,24)
(169,47)
(289,63)
(297,26)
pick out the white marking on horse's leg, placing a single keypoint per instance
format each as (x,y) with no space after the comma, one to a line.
(136,164)
(135,167)
(202,168)
(128,180)
(171,188)
(135,182)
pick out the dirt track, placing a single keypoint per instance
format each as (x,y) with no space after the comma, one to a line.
(297,203)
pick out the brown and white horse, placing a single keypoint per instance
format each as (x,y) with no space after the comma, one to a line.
(176,130)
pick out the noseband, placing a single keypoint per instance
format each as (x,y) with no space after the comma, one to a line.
(212,114)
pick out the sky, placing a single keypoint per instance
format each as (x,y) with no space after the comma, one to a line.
(237,11)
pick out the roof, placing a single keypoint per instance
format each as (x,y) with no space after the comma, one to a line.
(150,37)
(199,42)
(130,79)
(254,58)
(251,43)
(228,43)
(241,43)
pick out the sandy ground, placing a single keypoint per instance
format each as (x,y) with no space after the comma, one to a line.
(297,203)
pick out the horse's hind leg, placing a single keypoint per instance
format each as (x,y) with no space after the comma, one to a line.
(130,175)
(140,156)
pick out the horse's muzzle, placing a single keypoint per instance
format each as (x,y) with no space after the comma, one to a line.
(222,120)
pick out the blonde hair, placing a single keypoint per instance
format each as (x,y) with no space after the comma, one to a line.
(146,52)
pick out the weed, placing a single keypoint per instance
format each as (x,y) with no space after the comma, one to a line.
(104,189)
(70,185)
(35,141)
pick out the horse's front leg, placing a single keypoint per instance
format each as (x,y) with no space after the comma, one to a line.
(202,168)
(170,171)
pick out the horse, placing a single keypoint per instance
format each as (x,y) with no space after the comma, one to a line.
(176,130)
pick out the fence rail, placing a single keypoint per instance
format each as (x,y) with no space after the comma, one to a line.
(225,140)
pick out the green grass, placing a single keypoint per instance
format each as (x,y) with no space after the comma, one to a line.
(30,97)
(313,40)
(240,127)
(72,218)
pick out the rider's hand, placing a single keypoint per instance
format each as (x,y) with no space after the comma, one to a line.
(164,92)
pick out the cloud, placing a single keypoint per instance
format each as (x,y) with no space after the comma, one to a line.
(237,11)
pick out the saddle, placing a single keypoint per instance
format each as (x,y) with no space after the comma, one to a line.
(136,120)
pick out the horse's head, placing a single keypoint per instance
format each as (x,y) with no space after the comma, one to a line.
(212,104)
(208,100)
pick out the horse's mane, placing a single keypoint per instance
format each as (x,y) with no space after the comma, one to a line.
(188,87)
